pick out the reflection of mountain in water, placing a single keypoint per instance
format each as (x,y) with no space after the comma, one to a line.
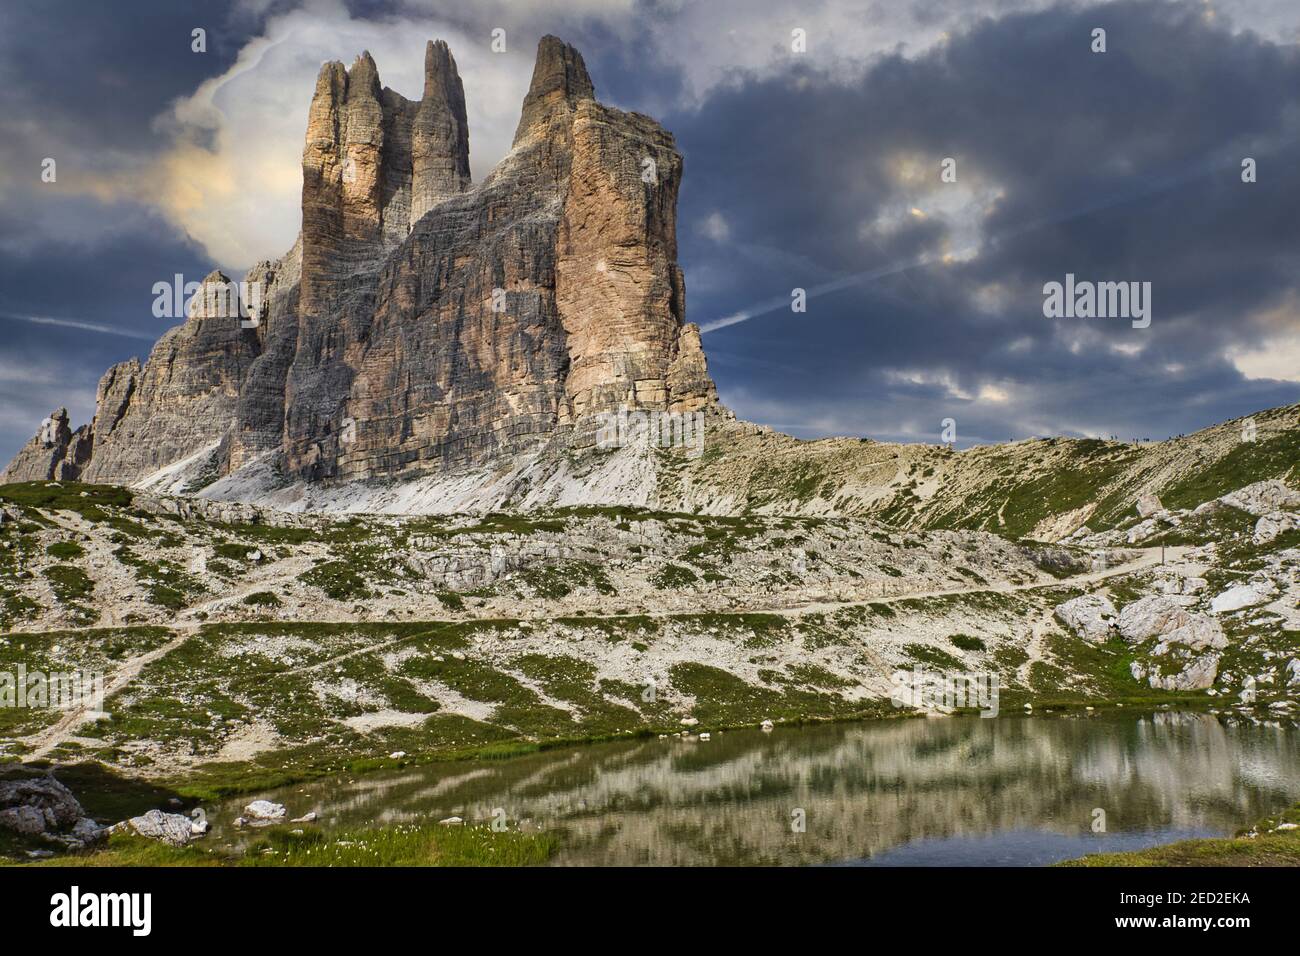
(865,787)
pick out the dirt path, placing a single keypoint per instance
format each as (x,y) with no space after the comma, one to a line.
(49,738)
(1034,648)
(1151,558)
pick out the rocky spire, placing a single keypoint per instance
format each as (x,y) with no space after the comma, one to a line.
(440,135)
(560,79)
(342,163)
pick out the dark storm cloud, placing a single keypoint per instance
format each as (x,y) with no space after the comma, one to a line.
(1122,165)
(82,83)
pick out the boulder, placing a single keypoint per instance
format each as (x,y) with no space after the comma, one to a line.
(1142,530)
(264,811)
(37,805)
(1200,632)
(1150,616)
(170,828)
(1171,582)
(1091,616)
(1273,524)
(25,821)
(1243,595)
(1147,505)
(1198,672)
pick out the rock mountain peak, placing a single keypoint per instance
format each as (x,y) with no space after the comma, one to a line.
(421,324)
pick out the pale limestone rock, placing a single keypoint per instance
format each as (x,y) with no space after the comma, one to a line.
(1150,616)
(1242,596)
(1147,505)
(1262,497)
(1274,523)
(1198,673)
(264,810)
(171,828)
(1091,616)
(1199,632)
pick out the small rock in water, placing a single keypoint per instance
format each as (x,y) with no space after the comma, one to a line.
(264,810)
(305,818)
(706,736)
(767,725)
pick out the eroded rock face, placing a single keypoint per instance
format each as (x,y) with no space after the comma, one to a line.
(55,453)
(422,325)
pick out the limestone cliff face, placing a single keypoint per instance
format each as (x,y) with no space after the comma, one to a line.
(422,325)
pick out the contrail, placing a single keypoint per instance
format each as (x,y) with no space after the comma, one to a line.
(77,324)
(1199,171)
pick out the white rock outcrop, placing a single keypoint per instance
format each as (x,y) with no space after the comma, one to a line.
(1263,497)
(1090,616)
(1275,523)
(1150,616)
(1243,595)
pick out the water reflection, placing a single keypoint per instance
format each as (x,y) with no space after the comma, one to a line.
(1010,790)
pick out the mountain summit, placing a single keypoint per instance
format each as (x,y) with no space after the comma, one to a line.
(421,325)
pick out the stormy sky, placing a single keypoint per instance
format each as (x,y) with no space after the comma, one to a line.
(818,168)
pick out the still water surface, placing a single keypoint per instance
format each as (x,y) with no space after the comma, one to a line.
(1012,791)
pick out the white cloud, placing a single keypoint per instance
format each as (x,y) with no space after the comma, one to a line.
(715,226)
(233,178)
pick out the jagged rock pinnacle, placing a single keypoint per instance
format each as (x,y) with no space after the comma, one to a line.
(560,79)
(440,134)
